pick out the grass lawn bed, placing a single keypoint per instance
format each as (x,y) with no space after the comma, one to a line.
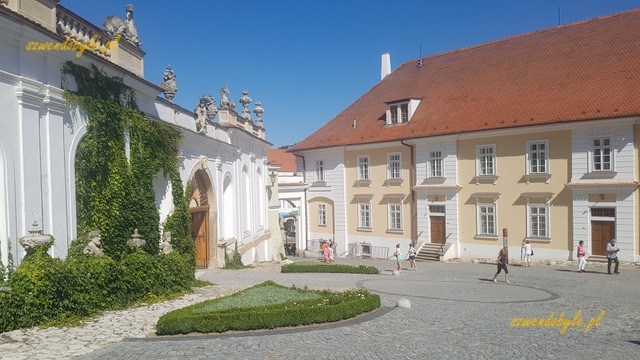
(267,306)
(328,268)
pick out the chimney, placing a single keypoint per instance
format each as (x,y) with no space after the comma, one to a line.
(385,69)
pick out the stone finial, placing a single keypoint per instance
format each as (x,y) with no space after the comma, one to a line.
(93,247)
(165,246)
(210,106)
(169,84)
(114,25)
(136,242)
(201,116)
(35,238)
(245,100)
(258,110)
(225,102)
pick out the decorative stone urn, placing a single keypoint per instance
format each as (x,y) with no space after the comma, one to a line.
(36,238)
(136,242)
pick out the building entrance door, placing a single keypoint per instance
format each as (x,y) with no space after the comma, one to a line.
(601,233)
(200,234)
(438,230)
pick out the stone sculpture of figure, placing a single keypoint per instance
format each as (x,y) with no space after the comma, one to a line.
(201,116)
(169,84)
(165,246)
(114,25)
(210,106)
(245,100)
(225,102)
(93,247)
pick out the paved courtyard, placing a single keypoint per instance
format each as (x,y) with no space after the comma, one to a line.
(456,312)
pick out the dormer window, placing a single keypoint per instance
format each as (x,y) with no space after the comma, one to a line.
(394,114)
(401,111)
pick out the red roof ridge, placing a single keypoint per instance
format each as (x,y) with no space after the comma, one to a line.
(523,35)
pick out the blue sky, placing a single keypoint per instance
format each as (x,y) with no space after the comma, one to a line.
(307,60)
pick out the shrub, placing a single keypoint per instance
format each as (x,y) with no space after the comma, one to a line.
(232,313)
(328,268)
(234,262)
(46,291)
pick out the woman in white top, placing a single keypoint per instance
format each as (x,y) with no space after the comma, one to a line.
(526,247)
(398,255)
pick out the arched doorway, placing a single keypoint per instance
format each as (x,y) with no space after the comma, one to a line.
(201,224)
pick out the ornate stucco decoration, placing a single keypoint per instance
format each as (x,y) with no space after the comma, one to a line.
(225,102)
(114,25)
(258,110)
(203,160)
(245,100)
(201,116)
(169,84)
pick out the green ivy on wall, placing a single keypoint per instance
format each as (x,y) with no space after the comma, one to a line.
(114,194)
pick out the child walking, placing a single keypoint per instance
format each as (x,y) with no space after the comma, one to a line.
(582,261)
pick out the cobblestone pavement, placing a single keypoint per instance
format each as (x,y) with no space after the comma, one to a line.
(456,312)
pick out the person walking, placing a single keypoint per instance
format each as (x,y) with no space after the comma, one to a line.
(612,256)
(528,251)
(398,255)
(412,257)
(502,265)
(582,261)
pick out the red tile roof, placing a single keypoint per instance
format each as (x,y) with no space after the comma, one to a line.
(581,71)
(282,157)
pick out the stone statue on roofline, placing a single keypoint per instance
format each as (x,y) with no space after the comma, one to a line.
(210,106)
(201,116)
(169,84)
(114,25)
(225,102)
(245,100)
(258,110)
(94,245)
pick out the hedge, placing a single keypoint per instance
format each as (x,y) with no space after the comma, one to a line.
(328,268)
(329,307)
(46,291)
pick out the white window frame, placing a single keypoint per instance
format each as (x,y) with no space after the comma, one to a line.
(394,118)
(436,164)
(480,160)
(535,155)
(395,217)
(319,170)
(322,215)
(364,215)
(533,226)
(481,212)
(595,149)
(404,113)
(364,168)
(391,167)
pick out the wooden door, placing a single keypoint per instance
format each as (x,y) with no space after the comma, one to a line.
(601,233)
(438,230)
(200,235)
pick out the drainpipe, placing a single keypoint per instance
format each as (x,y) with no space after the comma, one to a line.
(306,225)
(414,210)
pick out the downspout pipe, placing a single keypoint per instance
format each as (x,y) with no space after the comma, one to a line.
(304,179)
(414,210)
